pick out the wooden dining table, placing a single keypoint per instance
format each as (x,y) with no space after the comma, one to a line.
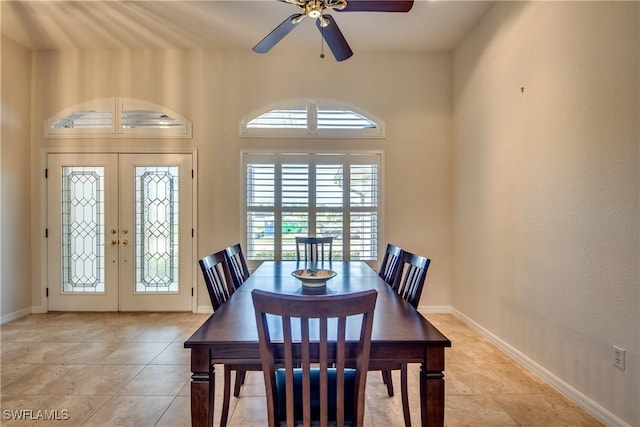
(400,333)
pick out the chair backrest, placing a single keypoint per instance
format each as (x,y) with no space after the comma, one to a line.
(217,277)
(314,248)
(410,279)
(237,265)
(312,329)
(390,266)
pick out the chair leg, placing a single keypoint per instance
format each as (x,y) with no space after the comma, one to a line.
(226,396)
(386,377)
(240,376)
(404,391)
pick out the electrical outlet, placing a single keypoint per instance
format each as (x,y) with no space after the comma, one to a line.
(618,357)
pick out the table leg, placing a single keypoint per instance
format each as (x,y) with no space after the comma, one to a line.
(432,388)
(202,388)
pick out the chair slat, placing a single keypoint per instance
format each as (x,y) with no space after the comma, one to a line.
(237,265)
(389,267)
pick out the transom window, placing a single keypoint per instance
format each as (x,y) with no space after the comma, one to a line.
(118,117)
(311,194)
(312,118)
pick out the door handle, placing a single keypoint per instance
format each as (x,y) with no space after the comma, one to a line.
(125,242)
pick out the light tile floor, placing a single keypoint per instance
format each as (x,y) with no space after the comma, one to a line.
(120,369)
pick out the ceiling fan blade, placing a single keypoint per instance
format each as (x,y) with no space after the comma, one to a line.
(378,6)
(334,38)
(276,35)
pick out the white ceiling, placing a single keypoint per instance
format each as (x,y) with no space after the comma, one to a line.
(436,25)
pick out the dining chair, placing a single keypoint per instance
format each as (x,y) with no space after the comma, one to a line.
(411,277)
(408,283)
(218,278)
(389,267)
(312,329)
(314,248)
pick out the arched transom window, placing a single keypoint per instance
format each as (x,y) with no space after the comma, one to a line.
(117,117)
(312,118)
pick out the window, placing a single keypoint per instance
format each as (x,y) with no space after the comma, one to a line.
(289,195)
(312,119)
(117,117)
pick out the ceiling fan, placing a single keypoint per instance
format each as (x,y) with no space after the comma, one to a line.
(328,27)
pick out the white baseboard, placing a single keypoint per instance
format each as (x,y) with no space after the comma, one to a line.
(204,309)
(15,315)
(566,389)
(39,309)
(435,309)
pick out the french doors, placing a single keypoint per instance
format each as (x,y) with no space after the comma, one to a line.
(119,232)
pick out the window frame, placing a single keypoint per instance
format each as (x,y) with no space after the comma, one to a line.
(351,157)
(312,106)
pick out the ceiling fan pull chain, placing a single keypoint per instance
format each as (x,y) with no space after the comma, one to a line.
(322,42)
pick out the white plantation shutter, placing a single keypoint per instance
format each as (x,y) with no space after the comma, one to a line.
(311,118)
(260,202)
(329,191)
(364,197)
(84,119)
(289,195)
(335,118)
(364,185)
(280,119)
(295,185)
(118,118)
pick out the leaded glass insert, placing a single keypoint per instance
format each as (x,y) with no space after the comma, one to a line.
(83,229)
(156,229)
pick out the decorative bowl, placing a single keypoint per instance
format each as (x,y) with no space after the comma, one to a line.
(313,277)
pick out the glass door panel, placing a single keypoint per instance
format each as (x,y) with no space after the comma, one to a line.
(82,257)
(156,206)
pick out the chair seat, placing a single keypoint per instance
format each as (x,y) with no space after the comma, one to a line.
(349,383)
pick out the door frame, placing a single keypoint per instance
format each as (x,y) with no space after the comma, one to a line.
(43,265)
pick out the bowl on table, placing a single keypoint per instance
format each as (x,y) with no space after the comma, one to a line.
(313,277)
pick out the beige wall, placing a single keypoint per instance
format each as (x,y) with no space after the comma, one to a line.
(546,187)
(15,152)
(410,92)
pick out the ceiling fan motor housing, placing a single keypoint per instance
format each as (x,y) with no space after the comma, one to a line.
(314,8)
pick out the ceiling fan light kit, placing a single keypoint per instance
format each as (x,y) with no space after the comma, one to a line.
(326,24)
